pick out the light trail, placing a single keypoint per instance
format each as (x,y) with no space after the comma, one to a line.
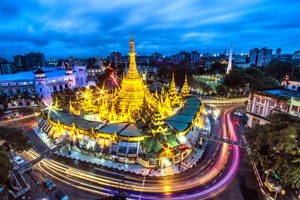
(215,178)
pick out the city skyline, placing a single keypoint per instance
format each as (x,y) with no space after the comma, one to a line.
(89,29)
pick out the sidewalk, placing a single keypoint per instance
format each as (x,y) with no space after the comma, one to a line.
(189,162)
(43,137)
(133,168)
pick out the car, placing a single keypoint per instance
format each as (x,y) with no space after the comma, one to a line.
(19,160)
(22,164)
(61,196)
(238,113)
(49,185)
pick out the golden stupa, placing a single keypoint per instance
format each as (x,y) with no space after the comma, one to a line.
(133,94)
(130,102)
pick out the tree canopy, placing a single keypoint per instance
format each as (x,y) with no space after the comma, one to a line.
(5,166)
(277,146)
(252,77)
(13,138)
(278,69)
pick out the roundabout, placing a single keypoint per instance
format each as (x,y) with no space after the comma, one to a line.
(129,124)
(150,144)
(208,178)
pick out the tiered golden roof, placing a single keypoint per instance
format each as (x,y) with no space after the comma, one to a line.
(173,96)
(185,92)
(132,90)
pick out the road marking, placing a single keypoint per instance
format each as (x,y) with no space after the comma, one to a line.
(97,168)
(142,187)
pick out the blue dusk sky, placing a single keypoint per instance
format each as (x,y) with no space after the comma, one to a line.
(84,28)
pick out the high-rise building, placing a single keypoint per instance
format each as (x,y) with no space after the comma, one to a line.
(181,56)
(296,55)
(206,55)
(260,57)
(195,56)
(115,57)
(156,57)
(264,57)
(253,56)
(33,60)
(5,67)
(20,62)
(278,53)
(143,59)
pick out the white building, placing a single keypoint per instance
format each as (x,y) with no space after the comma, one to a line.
(261,103)
(43,81)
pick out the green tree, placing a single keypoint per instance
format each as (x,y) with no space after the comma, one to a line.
(13,138)
(5,166)
(278,69)
(276,146)
(252,77)
(222,90)
(218,68)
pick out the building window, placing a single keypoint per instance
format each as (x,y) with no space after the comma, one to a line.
(256,109)
(41,89)
(39,82)
(261,110)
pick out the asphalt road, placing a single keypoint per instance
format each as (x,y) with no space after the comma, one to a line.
(242,184)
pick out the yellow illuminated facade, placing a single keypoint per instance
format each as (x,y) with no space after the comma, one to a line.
(123,122)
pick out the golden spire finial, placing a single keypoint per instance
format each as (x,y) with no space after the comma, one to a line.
(131,38)
(131,44)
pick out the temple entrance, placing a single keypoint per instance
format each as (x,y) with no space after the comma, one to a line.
(165,162)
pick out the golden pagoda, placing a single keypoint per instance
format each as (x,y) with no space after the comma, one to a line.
(132,90)
(157,123)
(185,92)
(173,96)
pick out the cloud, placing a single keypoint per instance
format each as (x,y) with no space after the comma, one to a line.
(94,28)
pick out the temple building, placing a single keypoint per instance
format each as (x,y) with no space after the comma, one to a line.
(129,124)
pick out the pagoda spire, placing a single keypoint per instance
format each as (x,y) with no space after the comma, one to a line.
(132,90)
(173,96)
(185,88)
(132,70)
